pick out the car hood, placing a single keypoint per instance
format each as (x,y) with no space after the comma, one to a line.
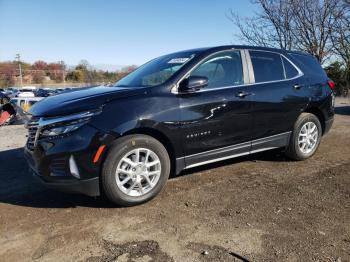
(82,100)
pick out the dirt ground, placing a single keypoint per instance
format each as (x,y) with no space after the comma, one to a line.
(257,208)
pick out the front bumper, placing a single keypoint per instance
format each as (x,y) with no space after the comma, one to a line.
(89,187)
(65,182)
(50,161)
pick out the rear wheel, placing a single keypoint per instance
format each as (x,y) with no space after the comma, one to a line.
(136,170)
(306,137)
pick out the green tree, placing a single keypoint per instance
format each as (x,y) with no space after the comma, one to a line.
(76,76)
(337,72)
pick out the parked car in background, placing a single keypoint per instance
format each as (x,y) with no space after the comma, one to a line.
(25,103)
(59,90)
(176,112)
(11,92)
(4,98)
(44,92)
(27,91)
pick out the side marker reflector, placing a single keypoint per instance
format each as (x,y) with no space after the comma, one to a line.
(98,153)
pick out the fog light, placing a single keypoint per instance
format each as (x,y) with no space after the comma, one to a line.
(73,167)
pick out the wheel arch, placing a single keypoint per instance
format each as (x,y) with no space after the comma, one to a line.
(162,138)
(318,113)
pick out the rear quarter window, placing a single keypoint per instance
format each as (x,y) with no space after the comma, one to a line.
(290,70)
(310,65)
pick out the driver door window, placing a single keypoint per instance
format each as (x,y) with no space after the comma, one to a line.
(222,70)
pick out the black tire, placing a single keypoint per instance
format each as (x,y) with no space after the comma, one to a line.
(293,151)
(121,147)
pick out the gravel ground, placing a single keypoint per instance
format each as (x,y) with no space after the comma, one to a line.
(257,208)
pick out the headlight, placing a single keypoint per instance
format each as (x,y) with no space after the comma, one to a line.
(61,130)
(55,126)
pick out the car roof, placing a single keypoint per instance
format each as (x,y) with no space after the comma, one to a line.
(28,98)
(225,47)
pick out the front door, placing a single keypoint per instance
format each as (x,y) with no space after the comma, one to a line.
(216,120)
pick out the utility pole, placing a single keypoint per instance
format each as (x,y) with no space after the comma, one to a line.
(63,73)
(18,57)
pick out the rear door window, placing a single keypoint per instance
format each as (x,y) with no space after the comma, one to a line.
(267,66)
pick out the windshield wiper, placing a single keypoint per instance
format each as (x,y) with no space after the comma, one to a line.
(132,86)
(122,86)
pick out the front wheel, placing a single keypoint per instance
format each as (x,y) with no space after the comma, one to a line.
(136,170)
(306,137)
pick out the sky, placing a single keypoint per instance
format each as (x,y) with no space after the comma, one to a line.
(107,32)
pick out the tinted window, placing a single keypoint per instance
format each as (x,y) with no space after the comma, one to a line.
(157,71)
(267,66)
(223,69)
(310,64)
(289,69)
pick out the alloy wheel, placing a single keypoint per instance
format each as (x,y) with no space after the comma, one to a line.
(138,172)
(308,136)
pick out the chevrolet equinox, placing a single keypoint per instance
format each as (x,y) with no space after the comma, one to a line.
(176,112)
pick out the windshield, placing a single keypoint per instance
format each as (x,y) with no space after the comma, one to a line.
(157,71)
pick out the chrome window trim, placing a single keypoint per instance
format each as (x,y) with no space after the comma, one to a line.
(250,67)
(245,63)
(246,77)
(284,68)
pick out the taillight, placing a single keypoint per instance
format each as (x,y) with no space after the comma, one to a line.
(331,84)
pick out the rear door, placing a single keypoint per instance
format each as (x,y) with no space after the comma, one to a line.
(216,122)
(279,98)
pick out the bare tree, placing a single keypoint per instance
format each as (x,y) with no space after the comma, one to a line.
(304,25)
(341,34)
(314,24)
(272,26)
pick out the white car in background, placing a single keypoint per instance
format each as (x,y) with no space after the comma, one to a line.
(24,103)
(27,91)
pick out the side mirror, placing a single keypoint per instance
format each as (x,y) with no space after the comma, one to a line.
(193,83)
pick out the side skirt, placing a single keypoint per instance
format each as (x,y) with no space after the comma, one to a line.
(258,145)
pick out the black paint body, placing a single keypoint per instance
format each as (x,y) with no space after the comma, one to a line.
(195,128)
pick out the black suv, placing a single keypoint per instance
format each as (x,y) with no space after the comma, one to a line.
(179,111)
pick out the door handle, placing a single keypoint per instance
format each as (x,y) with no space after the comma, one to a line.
(242,94)
(297,86)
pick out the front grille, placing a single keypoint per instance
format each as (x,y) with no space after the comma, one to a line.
(32,127)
